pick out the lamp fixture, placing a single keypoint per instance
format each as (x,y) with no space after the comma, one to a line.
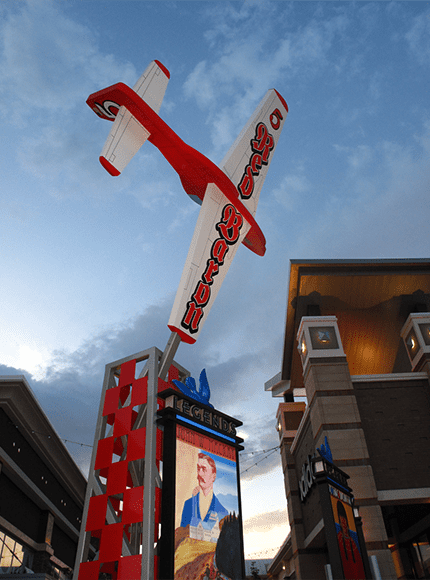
(416,337)
(319,466)
(323,336)
(303,346)
(318,337)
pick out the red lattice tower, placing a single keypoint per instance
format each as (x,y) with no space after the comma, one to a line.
(121,523)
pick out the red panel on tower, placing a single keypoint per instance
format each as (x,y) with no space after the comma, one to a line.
(111,543)
(173,374)
(156,564)
(117,478)
(118,446)
(109,569)
(136,444)
(129,568)
(104,453)
(128,371)
(96,512)
(89,570)
(159,445)
(139,392)
(122,425)
(115,502)
(113,397)
(157,505)
(111,401)
(133,505)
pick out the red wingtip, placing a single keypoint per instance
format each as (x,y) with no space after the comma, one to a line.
(163,68)
(109,167)
(184,337)
(282,100)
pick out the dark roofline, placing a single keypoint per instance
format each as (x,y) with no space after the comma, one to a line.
(20,404)
(363,261)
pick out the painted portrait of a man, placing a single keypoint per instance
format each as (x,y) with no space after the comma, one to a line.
(207,525)
(203,505)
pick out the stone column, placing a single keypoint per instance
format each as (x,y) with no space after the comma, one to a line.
(289,416)
(334,414)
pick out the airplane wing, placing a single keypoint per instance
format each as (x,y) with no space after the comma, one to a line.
(248,159)
(219,231)
(225,221)
(127,134)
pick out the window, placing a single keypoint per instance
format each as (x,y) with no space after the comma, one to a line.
(12,553)
(421,557)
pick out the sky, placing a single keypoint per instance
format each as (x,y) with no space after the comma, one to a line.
(90,263)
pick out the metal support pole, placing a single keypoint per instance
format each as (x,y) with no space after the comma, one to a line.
(168,355)
(83,545)
(150,468)
(155,371)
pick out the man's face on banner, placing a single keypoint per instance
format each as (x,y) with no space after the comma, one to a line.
(205,475)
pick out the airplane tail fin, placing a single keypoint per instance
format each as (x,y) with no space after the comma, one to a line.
(127,134)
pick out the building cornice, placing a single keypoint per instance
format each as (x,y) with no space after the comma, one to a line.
(22,408)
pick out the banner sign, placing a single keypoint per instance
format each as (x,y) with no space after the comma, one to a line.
(207,537)
(206,418)
(347,537)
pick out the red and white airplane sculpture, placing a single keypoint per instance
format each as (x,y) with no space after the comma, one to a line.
(228,194)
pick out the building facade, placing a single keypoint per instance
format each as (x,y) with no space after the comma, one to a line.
(41,490)
(357,347)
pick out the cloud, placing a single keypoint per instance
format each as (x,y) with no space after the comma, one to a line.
(71,405)
(291,189)
(6,370)
(357,157)
(418,38)
(384,211)
(261,455)
(264,534)
(199,85)
(70,390)
(50,62)
(263,522)
(248,57)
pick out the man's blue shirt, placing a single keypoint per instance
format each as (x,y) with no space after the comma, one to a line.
(192,510)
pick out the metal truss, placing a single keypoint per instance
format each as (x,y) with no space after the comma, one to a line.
(123,498)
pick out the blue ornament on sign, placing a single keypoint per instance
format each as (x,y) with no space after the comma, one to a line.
(189,388)
(325,450)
